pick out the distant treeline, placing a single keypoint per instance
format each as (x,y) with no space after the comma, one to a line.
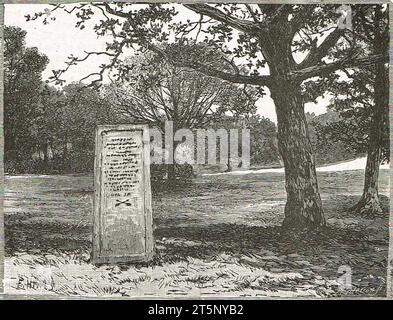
(64,143)
(51,130)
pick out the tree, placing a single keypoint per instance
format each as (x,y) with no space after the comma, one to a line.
(379,126)
(22,87)
(263,141)
(362,99)
(361,128)
(263,137)
(46,126)
(153,91)
(334,137)
(81,110)
(262,35)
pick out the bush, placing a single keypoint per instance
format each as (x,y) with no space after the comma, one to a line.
(159,174)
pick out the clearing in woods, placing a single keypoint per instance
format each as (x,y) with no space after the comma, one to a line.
(218,236)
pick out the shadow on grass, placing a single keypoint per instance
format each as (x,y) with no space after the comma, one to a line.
(41,234)
(342,204)
(240,239)
(269,248)
(26,232)
(176,243)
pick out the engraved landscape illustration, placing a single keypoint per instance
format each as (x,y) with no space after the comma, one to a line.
(196,150)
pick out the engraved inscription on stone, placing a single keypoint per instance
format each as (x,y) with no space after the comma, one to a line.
(122,194)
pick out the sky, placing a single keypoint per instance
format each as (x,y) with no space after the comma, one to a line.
(60,38)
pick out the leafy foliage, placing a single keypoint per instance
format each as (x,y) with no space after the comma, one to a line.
(241,31)
(329,142)
(46,129)
(22,87)
(153,91)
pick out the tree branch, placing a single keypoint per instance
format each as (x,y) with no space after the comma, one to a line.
(320,70)
(317,53)
(236,23)
(213,72)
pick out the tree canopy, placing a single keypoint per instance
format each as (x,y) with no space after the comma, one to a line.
(154,91)
(22,86)
(247,32)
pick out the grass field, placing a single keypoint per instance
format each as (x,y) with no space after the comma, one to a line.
(219,236)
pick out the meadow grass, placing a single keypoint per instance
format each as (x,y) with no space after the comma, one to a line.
(217,236)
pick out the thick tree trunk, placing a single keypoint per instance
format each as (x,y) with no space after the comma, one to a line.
(303,209)
(369,203)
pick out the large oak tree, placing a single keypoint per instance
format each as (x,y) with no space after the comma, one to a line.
(260,37)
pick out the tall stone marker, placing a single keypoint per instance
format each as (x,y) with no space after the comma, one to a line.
(123,226)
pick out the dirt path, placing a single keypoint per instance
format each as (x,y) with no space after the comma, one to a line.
(356,164)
